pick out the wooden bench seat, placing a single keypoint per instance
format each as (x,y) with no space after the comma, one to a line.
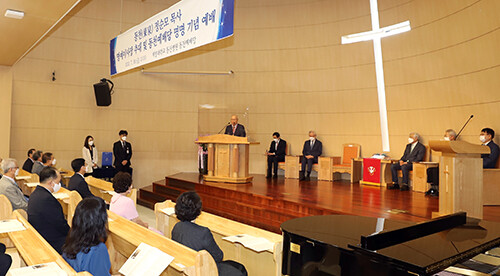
(101,188)
(263,263)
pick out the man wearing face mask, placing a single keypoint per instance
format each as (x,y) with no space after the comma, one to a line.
(276,154)
(433,173)
(486,137)
(310,152)
(414,152)
(122,150)
(9,187)
(45,212)
(48,160)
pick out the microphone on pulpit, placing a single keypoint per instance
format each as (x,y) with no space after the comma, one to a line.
(464,126)
(228,123)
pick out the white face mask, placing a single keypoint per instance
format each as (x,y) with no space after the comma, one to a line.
(17,172)
(124,138)
(54,161)
(410,140)
(447,138)
(482,138)
(91,143)
(312,138)
(57,187)
(276,140)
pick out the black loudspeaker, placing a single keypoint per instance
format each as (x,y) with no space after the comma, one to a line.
(103,92)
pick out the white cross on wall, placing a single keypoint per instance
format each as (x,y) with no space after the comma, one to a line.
(376,34)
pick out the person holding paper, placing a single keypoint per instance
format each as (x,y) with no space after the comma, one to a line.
(187,232)
(121,204)
(28,164)
(77,181)
(84,249)
(234,128)
(9,187)
(45,213)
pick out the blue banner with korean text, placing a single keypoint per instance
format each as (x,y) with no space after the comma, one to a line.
(184,26)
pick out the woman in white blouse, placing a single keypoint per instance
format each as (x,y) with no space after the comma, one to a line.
(90,154)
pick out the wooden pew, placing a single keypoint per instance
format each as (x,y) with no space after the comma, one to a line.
(65,175)
(101,188)
(33,248)
(263,263)
(24,178)
(126,235)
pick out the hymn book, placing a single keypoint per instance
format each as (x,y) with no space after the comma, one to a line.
(146,260)
(251,242)
(11,225)
(48,269)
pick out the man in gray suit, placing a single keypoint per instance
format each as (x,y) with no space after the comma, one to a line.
(37,165)
(9,187)
(48,160)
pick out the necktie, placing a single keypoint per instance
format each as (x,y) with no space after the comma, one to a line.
(234,128)
(312,144)
(123,145)
(276,145)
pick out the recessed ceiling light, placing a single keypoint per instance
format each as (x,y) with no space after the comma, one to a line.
(14,14)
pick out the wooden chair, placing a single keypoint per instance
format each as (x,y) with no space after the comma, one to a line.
(74,199)
(491,185)
(256,263)
(5,207)
(350,151)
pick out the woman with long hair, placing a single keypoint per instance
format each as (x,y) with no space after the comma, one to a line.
(84,249)
(90,154)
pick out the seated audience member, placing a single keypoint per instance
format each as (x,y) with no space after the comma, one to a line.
(9,187)
(433,173)
(121,204)
(486,137)
(28,164)
(90,154)
(38,165)
(77,181)
(5,260)
(276,154)
(187,232)
(0,168)
(414,152)
(84,249)
(310,152)
(45,212)
(234,128)
(48,160)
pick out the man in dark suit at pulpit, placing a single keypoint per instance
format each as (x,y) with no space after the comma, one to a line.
(234,128)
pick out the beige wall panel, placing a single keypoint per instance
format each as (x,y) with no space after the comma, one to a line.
(5,111)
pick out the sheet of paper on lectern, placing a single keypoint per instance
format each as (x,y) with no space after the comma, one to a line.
(255,243)
(48,269)
(11,225)
(146,260)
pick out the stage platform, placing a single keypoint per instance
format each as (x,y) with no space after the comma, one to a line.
(266,203)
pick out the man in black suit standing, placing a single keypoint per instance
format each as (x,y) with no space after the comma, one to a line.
(45,212)
(77,181)
(122,150)
(486,137)
(28,164)
(310,152)
(234,128)
(414,152)
(276,154)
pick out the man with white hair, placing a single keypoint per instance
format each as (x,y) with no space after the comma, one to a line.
(433,173)
(414,152)
(234,128)
(9,187)
(310,152)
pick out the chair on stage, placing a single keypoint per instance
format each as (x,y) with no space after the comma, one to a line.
(491,185)
(350,151)
(418,176)
(281,165)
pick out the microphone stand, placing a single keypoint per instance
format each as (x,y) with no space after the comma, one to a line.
(224,127)
(464,126)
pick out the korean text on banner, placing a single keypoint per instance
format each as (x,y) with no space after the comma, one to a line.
(184,26)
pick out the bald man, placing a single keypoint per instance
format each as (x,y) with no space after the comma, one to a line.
(234,128)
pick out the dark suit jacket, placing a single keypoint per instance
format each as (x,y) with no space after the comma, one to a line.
(239,131)
(281,151)
(46,215)
(416,155)
(121,153)
(28,165)
(315,151)
(490,160)
(78,183)
(199,238)
(5,260)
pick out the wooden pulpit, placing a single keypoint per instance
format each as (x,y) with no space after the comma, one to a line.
(227,158)
(460,177)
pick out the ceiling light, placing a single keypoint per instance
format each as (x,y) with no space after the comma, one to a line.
(14,14)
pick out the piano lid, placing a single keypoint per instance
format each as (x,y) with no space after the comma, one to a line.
(427,254)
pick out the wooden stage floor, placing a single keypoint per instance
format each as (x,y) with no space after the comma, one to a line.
(266,203)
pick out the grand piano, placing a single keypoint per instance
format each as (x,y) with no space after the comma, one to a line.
(355,245)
